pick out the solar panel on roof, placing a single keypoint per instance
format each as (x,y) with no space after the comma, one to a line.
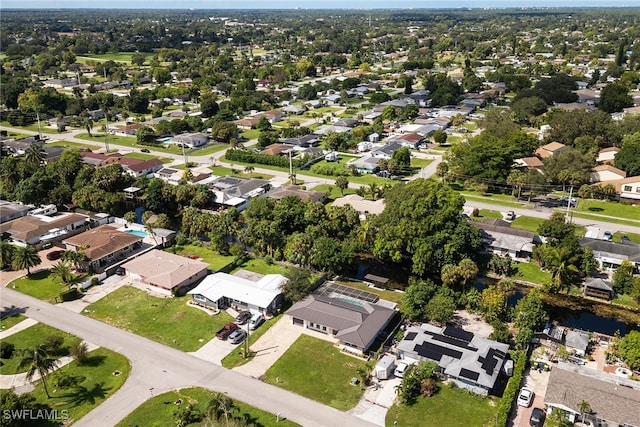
(489,363)
(330,288)
(458,333)
(427,352)
(453,341)
(472,375)
(428,346)
(411,336)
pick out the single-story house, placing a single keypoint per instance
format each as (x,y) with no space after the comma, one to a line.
(365,164)
(597,287)
(549,150)
(309,140)
(359,203)
(468,360)
(611,254)
(576,341)
(103,246)
(140,168)
(165,270)
(355,325)
(128,130)
(196,139)
(236,191)
(297,191)
(277,150)
(528,163)
(606,172)
(501,240)
(293,109)
(386,151)
(327,129)
(33,229)
(614,400)
(220,290)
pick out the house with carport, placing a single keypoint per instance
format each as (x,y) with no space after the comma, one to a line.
(164,271)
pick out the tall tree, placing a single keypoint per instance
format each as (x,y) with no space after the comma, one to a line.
(26,257)
(6,253)
(38,361)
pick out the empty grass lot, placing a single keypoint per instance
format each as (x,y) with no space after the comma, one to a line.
(530,272)
(451,407)
(216,261)
(614,209)
(314,368)
(158,411)
(40,285)
(29,338)
(95,383)
(169,321)
(73,145)
(143,156)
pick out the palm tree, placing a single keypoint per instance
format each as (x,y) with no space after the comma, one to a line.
(584,408)
(6,253)
(563,268)
(249,169)
(88,123)
(26,257)
(148,227)
(221,405)
(62,270)
(77,257)
(35,154)
(39,362)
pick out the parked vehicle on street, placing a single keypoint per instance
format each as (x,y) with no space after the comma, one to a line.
(226,330)
(237,336)
(525,397)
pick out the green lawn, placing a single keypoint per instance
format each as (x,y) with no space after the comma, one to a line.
(617,236)
(419,163)
(33,127)
(207,149)
(236,357)
(382,293)
(259,265)
(216,261)
(605,219)
(334,192)
(40,285)
(530,272)
(314,368)
(158,411)
(73,145)
(495,199)
(169,321)
(29,338)
(485,214)
(143,156)
(626,300)
(250,134)
(451,407)
(614,209)
(98,138)
(95,382)
(9,321)
(117,57)
(527,223)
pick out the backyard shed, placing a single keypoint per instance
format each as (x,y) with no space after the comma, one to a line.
(384,367)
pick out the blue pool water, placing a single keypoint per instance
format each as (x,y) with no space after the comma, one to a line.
(137,233)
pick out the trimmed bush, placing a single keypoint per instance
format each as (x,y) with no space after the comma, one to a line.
(6,350)
(511,391)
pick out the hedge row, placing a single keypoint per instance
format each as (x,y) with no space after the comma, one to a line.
(511,391)
(262,159)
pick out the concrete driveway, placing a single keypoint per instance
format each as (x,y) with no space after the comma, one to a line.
(215,350)
(536,381)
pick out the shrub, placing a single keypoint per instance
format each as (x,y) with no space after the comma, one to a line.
(262,159)
(80,352)
(6,350)
(511,391)
(53,344)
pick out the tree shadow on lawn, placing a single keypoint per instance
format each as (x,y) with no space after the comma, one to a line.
(81,395)
(595,209)
(94,361)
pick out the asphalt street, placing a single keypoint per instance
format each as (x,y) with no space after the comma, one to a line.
(157,368)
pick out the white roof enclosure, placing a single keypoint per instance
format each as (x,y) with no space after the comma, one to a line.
(220,290)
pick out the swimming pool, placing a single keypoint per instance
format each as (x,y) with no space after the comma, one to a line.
(137,233)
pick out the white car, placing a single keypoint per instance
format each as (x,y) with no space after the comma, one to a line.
(525,397)
(401,369)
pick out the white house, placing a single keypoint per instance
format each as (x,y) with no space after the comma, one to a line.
(190,140)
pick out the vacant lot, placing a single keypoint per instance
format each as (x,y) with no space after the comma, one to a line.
(216,261)
(316,369)
(169,321)
(159,411)
(451,407)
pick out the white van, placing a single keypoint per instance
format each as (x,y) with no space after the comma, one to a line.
(256,320)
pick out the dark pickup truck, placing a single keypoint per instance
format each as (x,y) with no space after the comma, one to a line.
(224,333)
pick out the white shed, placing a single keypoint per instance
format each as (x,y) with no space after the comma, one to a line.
(384,367)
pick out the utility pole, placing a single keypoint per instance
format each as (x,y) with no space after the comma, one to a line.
(569,204)
(291,168)
(106,131)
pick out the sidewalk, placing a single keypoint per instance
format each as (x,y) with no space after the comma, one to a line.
(94,294)
(26,323)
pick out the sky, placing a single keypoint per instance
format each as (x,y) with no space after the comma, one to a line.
(306,4)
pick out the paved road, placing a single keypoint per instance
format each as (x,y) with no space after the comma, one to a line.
(157,368)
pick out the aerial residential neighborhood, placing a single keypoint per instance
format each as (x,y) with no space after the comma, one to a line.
(319,217)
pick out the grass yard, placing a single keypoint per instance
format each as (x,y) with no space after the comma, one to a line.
(98,138)
(29,338)
(94,382)
(143,156)
(73,145)
(250,134)
(485,214)
(599,217)
(614,209)
(419,163)
(314,368)
(216,261)
(10,321)
(158,411)
(40,285)
(207,149)
(388,295)
(259,265)
(33,127)
(169,321)
(527,223)
(117,57)
(530,272)
(334,192)
(451,407)
(617,236)
(236,358)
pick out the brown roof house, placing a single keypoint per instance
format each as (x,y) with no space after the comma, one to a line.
(355,323)
(297,191)
(614,400)
(165,270)
(606,172)
(607,155)
(104,246)
(35,229)
(549,150)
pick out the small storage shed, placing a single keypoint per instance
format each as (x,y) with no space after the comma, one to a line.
(384,367)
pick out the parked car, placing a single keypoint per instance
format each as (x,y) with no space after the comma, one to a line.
(237,336)
(226,330)
(510,216)
(401,369)
(120,271)
(625,239)
(54,255)
(243,317)
(607,236)
(525,397)
(145,150)
(537,417)
(256,320)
